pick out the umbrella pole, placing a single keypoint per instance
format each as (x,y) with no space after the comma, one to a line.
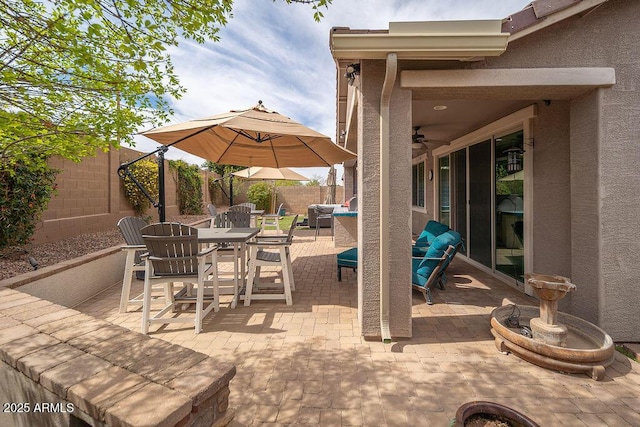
(273,199)
(161,188)
(230,190)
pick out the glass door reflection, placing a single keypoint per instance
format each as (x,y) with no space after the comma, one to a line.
(509,202)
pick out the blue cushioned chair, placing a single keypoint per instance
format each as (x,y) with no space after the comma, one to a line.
(432,230)
(430,269)
(349,259)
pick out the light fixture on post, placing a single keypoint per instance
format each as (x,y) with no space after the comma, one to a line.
(352,71)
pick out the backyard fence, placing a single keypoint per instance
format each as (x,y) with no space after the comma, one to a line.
(90,197)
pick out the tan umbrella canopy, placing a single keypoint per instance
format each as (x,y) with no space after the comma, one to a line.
(253,137)
(270,173)
(260,173)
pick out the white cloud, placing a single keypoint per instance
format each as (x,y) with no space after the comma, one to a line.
(277,53)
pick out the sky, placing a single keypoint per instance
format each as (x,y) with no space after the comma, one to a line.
(277,53)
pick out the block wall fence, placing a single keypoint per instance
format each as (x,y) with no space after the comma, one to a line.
(90,196)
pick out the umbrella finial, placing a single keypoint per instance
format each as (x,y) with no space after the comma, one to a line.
(260,106)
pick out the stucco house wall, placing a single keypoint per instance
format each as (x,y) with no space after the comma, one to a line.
(586,162)
(551,214)
(604,163)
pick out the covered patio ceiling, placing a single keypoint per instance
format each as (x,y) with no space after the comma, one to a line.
(476,97)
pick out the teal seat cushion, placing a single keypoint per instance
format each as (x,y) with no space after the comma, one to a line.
(456,241)
(431,259)
(432,230)
(416,278)
(348,258)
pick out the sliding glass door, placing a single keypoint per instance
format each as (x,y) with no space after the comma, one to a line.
(480,172)
(481,195)
(509,202)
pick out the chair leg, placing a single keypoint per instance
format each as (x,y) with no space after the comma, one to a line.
(146,299)
(339,273)
(199,304)
(290,264)
(126,281)
(286,276)
(427,296)
(248,289)
(216,285)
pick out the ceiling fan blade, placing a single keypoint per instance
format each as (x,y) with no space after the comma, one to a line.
(435,143)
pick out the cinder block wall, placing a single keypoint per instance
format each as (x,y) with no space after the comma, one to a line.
(297,199)
(90,197)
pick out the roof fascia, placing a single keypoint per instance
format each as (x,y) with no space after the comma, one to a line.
(554,18)
(438,40)
(510,77)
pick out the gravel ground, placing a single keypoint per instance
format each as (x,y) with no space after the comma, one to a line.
(17,261)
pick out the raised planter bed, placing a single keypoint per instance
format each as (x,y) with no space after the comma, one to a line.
(71,282)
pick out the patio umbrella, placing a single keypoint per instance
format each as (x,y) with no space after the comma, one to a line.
(270,173)
(263,173)
(253,137)
(331,187)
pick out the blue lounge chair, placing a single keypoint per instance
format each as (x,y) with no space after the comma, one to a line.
(430,269)
(432,230)
(348,259)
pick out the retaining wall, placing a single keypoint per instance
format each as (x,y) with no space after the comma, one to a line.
(59,366)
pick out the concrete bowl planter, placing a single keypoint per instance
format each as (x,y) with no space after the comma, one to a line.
(491,411)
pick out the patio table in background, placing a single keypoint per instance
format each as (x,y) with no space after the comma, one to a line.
(238,237)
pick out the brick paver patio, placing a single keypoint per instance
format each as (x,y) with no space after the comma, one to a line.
(307,364)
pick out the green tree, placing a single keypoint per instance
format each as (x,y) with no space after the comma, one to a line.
(24,195)
(81,75)
(222,184)
(146,172)
(260,194)
(189,184)
(314,181)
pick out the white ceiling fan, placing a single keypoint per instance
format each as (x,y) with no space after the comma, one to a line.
(417,140)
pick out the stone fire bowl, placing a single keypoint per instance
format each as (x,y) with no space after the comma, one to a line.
(596,352)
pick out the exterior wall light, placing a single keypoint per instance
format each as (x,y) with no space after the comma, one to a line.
(351,72)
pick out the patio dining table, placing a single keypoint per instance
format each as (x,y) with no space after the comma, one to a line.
(238,237)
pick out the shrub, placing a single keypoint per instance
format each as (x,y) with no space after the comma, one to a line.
(26,191)
(146,172)
(189,187)
(260,194)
